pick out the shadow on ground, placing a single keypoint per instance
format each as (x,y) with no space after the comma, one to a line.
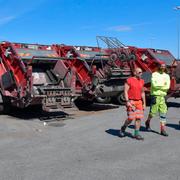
(173,104)
(115,132)
(175,126)
(143,129)
(33,112)
(98,107)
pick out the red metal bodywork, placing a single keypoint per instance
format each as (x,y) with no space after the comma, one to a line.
(85,82)
(104,77)
(13,69)
(148,60)
(27,76)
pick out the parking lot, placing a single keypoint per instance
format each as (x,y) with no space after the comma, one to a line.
(86,146)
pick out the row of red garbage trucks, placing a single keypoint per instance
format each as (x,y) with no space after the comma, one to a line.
(57,76)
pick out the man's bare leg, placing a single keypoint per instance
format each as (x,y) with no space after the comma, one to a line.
(147,123)
(123,128)
(136,130)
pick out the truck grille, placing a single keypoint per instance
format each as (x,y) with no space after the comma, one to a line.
(57,98)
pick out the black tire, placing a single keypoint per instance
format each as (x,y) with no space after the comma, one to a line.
(5,105)
(1,108)
(123,57)
(113,57)
(5,108)
(132,57)
(121,99)
(104,100)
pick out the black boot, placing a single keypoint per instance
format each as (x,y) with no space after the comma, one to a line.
(122,132)
(138,137)
(148,128)
(164,133)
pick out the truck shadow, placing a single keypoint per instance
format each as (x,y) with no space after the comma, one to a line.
(98,107)
(35,112)
(173,104)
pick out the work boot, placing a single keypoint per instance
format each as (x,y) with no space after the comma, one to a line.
(122,132)
(138,137)
(148,128)
(164,133)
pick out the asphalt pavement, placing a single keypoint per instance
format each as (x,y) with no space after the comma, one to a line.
(86,146)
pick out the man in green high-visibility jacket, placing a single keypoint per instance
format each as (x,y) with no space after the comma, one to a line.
(160,84)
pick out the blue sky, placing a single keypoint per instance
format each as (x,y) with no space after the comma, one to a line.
(141,23)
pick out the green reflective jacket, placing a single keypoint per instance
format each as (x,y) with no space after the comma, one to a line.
(160,84)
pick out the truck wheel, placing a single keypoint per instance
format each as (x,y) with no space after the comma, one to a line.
(121,99)
(132,57)
(1,104)
(5,108)
(123,57)
(105,100)
(1,108)
(113,57)
(4,105)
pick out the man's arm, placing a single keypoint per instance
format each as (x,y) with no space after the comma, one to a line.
(167,83)
(155,82)
(126,89)
(143,95)
(159,84)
